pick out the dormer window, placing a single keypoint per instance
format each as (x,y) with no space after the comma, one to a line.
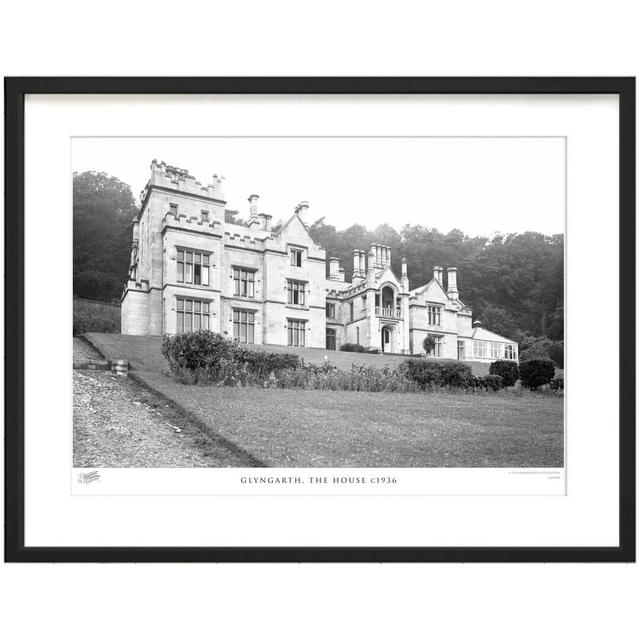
(296,257)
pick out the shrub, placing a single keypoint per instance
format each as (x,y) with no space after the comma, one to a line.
(536,373)
(437,373)
(489,383)
(507,369)
(201,353)
(207,356)
(557,384)
(263,363)
(352,346)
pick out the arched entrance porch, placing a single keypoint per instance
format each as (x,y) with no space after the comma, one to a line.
(387,339)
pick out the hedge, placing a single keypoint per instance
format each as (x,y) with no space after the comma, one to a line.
(352,346)
(205,355)
(438,373)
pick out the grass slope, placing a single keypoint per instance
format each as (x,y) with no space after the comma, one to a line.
(296,428)
(91,315)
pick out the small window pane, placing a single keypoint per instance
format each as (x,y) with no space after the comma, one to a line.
(180,322)
(205,276)
(205,258)
(188,305)
(181,255)
(180,304)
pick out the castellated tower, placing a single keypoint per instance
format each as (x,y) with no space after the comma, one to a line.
(172,203)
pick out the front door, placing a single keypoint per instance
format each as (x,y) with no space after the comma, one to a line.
(386,339)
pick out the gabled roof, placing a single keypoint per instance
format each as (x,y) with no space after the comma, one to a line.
(388,268)
(295,216)
(480,333)
(424,288)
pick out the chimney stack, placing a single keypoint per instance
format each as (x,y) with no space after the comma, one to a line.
(375,253)
(452,282)
(404,267)
(302,208)
(254,221)
(437,274)
(253,205)
(334,269)
(265,221)
(371,266)
(363,263)
(356,264)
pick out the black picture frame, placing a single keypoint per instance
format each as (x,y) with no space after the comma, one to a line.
(15,91)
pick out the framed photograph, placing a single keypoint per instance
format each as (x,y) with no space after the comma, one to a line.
(320,319)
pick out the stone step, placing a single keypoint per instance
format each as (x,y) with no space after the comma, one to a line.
(95,365)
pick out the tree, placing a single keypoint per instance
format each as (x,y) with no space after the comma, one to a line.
(103,210)
(429,344)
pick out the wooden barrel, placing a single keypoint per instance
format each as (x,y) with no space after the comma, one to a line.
(120,367)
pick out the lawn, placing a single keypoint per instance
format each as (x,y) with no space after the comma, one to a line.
(296,428)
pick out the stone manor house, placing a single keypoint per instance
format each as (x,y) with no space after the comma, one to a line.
(192,270)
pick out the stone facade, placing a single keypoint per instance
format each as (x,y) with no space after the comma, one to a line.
(190,269)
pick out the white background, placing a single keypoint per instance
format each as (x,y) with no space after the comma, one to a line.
(587,516)
(465,38)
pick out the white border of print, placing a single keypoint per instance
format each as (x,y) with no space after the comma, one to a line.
(54,517)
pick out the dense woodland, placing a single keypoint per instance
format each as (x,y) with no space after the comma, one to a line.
(103,209)
(513,283)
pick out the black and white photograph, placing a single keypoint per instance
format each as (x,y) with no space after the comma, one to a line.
(327,301)
(362,320)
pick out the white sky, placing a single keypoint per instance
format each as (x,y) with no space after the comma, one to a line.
(478,185)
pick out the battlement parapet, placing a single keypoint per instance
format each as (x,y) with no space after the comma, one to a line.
(164,175)
(191,223)
(242,239)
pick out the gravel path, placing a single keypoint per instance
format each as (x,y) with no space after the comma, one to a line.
(119,423)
